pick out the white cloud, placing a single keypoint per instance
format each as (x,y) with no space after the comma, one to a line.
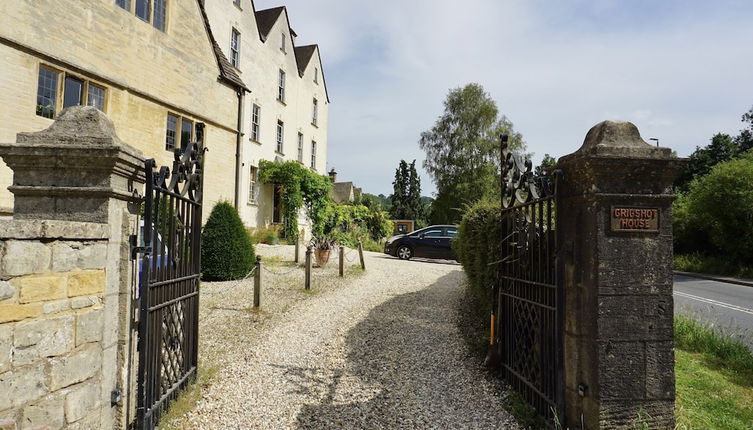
(679,70)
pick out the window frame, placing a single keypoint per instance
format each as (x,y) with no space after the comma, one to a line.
(281,86)
(280,138)
(61,76)
(56,92)
(313,154)
(315,113)
(300,147)
(178,138)
(316,75)
(255,122)
(283,43)
(235,47)
(253,185)
(152,11)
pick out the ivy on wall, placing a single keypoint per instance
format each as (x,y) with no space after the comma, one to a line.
(300,188)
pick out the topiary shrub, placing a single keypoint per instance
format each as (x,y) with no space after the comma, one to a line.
(226,249)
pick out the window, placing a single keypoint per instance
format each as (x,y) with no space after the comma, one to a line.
(172,130)
(160,12)
(237,2)
(96,97)
(280,132)
(451,232)
(315,115)
(152,11)
(281,87)
(253,186)
(313,154)
(179,132)
(300,147)
(47,89)
(433,233)
(282,43)
(75,91)
(255,112)
(142,9)
(235,48)
(316,75)
(186,132)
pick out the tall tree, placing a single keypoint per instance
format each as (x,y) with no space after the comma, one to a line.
(413,199)
(399,191)
(462,151)
(406,196)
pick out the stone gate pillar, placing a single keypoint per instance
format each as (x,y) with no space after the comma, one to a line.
(615,220)
(76,189)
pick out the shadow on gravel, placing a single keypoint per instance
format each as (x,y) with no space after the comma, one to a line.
(401,371)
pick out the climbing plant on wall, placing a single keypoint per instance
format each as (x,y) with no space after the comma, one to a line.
(300,188)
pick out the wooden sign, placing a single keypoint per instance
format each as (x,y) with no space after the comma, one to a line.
(634,219)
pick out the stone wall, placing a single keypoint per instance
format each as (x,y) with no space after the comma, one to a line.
(67,287)
(56,368)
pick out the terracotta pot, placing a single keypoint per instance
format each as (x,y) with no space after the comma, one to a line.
(322,257)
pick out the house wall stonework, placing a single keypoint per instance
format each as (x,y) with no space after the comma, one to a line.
(146,73)
(261,59)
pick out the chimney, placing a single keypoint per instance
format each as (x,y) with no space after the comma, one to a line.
(333,175)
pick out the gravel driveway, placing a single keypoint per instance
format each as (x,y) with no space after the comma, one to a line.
(379,351)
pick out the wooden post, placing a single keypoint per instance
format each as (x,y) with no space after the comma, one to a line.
(307,284)
(342,260)
(297,247)
(257,282)
(360,254)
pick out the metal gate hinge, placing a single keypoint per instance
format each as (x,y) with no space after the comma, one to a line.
(133,240)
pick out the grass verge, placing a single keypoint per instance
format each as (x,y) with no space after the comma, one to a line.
(188,399)
(714,376)
(711,265)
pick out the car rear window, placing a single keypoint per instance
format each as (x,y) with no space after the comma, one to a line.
(452,232)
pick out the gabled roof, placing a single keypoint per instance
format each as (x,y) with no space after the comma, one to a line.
(227,71)
(303,56)
(266,19)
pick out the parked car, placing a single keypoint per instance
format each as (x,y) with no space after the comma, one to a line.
(430,242)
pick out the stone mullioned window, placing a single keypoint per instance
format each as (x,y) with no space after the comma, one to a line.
(151,11)
(54,85)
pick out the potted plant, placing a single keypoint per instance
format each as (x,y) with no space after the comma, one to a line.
(322,246)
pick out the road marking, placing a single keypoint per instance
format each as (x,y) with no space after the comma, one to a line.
(714,302)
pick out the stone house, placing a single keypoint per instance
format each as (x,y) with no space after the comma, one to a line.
(152,67)
(156,68)
(286,112)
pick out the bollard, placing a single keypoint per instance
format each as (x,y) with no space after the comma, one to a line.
(257,282)
(342,260)
(297,247)
(307,284)
(360,254)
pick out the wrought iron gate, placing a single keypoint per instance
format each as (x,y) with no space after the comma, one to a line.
(169,280)
(528,294)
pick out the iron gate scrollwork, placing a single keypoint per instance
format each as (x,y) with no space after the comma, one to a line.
(169,280)
(528,295)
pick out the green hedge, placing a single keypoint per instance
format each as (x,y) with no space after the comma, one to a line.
(226,249)
(477,245)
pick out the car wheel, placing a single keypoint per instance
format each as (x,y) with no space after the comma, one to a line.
(404,253)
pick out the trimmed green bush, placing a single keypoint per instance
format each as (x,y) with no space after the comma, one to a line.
(226,249)
(477,245)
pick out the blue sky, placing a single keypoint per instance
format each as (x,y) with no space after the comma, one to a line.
(680,70)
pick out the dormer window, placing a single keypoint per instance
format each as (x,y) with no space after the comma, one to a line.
(282,43)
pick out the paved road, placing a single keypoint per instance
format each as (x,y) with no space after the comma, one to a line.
(727,306)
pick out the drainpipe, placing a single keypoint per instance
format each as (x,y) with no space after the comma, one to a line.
(238,147)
